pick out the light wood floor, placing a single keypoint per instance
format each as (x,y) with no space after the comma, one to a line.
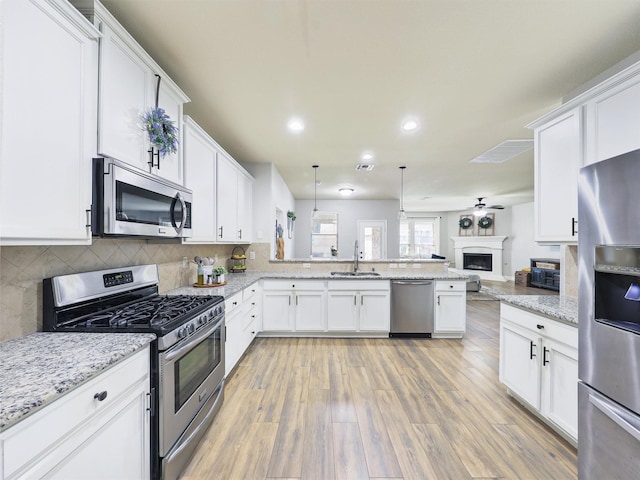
(378,408)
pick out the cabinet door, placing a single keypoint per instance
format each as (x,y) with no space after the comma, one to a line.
(520,362)
(558,158)
(309,311)
(613,122)
(226,200)
(560,385)
(126,91)
(48,97)
(200,175)
(342,311)
(245,208)
(276,311)
(450,312)
(171,166)
(375,314)
(233,347)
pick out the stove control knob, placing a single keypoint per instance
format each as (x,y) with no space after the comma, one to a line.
(182,332)
(191,328)
(202,319)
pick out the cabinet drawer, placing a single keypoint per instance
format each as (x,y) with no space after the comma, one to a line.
(232,303)
(44,430)
(293,284)
(544,326)
(358,285)
(458,286)
(250,292)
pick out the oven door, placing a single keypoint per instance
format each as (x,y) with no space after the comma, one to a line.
(131,202)
(190,373)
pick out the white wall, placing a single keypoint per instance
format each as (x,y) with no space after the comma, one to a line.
(522,232)
(349,212)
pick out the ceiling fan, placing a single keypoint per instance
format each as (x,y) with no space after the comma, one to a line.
(480,208)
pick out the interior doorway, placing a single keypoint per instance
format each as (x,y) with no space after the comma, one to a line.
(372,239)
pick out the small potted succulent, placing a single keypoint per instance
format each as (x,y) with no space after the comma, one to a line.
(219,272)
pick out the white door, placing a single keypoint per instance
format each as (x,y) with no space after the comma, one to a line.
(342,311)
(450,311)
(519,363)
(309,307)
(276,311)
(375,311)
(372,239)
(226,200)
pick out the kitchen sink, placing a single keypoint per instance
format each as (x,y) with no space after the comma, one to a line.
(356,274)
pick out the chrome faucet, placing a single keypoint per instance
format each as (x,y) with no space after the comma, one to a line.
(355,257)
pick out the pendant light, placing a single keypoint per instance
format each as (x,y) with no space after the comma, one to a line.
(401,213)
(314,213)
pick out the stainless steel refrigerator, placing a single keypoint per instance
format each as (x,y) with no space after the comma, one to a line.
(609,319)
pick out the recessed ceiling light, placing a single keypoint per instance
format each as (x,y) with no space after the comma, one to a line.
(346,191)
(410,125)
(367,156)
(296,125)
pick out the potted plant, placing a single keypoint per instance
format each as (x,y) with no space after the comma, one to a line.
(219,271)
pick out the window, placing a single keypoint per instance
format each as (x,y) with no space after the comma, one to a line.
(419,237)
(324,234)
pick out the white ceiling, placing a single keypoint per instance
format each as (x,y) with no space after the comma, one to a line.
(473,72)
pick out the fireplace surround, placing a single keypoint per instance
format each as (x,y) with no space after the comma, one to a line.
(476,248)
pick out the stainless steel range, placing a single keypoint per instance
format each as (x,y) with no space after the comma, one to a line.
(187,361)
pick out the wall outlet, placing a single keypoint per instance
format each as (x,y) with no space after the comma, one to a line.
(417,265)
(185,262)
(393,265)
(402,265)
(252,255)
(306,265)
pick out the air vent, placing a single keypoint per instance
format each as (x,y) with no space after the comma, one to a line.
(366,167)
(503,152)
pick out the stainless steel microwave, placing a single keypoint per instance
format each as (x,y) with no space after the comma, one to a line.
(128,201)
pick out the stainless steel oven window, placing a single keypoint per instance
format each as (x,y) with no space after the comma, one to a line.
(194,367)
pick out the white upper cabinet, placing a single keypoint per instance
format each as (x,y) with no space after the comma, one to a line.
(200,153)
(613,121)
(558,158)
(127,88)
(233,201)
(48,121)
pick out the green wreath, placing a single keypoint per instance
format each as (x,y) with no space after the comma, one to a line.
(485,222)
(465,223)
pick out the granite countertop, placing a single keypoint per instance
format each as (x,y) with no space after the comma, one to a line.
(564,309)
(236,282)
(37,369)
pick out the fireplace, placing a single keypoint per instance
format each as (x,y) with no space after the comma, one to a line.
(477,261)
(479,255)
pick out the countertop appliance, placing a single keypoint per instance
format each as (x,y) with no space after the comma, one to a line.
(609,319)
(187,359)
(412,308)
(128,201)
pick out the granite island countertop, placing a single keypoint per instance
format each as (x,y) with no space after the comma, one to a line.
(236,282)
(39,368)
(564,309)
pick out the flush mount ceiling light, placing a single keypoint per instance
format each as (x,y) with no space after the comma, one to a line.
(295,125)
(346,191)
(314,213)
(366,156)
(401,213)
(410,125)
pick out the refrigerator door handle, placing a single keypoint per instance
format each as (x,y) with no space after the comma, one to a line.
(616,415)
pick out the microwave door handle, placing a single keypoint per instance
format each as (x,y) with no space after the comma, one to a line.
(177,198)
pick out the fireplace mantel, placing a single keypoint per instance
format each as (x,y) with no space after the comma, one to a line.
(489,244)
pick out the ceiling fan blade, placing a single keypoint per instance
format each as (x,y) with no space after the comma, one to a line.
(496,207)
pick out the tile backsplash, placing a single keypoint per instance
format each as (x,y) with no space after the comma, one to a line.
(22,270)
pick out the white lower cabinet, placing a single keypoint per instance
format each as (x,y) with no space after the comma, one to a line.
(539,365)
(358,306)
(450,314)
(243,321)
(67,439)
(293,305)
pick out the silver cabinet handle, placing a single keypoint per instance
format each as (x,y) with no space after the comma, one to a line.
(616,416)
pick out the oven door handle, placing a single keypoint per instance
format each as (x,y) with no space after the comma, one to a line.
(197,338)
(617,416)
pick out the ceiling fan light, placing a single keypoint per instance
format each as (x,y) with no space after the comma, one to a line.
(479,213)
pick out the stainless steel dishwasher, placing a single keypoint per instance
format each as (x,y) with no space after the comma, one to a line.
(412,308)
